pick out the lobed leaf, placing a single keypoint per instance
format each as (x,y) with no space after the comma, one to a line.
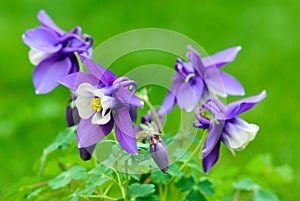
(140,190)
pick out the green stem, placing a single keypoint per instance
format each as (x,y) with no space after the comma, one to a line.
(155,115)
(161,193)
(98,196)
(196,150)
(126,180)
(120,183)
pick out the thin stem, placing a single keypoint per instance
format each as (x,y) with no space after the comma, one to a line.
(43,183)
(196,150)
(165,192)
(108,188)
(119,182)
(98,196)
(155,115)
(126,180)
(161,193)
(236,195)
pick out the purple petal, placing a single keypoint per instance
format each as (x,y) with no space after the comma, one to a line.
(128,97)
(72,81)
(198,87)
(47,73)
(235,108)
(195,59)
(72,116)
(75,66)
(211,158)
(168,104)
(231,85)
(214,82)
(186,97)
(89,134)
(222,58)
(212,138)
(42,39)
(101,73)
(170,99)
(86,152)
(46,21)
(124,130)
(159,153)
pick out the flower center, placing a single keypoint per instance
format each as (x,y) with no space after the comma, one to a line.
(205,114)
(95,104)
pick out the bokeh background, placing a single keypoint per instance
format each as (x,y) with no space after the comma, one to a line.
(267,30)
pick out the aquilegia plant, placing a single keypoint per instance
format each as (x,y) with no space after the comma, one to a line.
(103,113)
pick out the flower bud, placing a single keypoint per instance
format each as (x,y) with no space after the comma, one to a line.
(159,153)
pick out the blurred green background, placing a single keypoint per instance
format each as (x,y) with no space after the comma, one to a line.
(267,30)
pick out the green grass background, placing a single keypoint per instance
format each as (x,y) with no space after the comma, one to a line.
(267,30)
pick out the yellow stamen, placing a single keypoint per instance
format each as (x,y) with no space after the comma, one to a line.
(95,104)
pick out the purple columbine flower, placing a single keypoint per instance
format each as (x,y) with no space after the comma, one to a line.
(224,125)
(52,52)
(195,78)
(103,100)
(159,153)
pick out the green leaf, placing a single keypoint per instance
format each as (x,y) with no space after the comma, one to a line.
(74,196)
(34,193)
(195,195)
(151,198)
(206,187)
(64,178)
(246,185)
(139,190)
(174,171)
(185,184)
(195,167)
(159,178)
(63,140)
(100,169)
(93,182)
(264,196)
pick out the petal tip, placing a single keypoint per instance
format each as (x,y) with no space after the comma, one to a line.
(83,58)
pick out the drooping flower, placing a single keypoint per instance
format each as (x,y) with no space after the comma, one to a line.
(159,153)
(197,77)
(103,100)
(224,125)
(52,52)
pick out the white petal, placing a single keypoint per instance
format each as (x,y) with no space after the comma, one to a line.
(106,103)
(238,134)
(99,93)
(82,103)
(99,119)
(85,89)
(36,56)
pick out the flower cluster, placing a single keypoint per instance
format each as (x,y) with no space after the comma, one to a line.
(52,52)
(102,101)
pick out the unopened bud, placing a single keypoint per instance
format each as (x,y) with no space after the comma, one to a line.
(159,153)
